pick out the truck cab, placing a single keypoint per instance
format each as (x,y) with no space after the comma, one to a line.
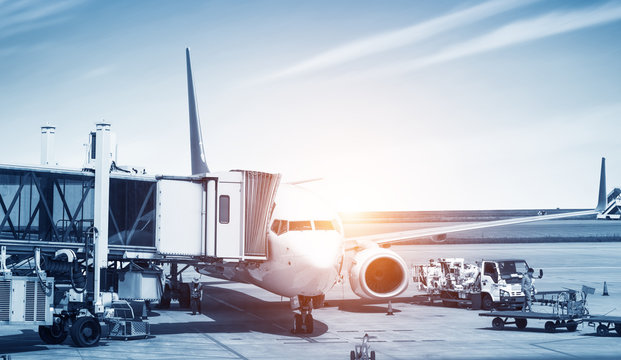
(501,282)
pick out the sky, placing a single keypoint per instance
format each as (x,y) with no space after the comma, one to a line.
(396,104)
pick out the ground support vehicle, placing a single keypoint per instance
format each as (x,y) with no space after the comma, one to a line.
(483,284)
(127,321)
(362,351)
(603,324)
(520,319)
(568,310)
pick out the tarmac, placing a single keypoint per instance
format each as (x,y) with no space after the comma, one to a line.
(241,321)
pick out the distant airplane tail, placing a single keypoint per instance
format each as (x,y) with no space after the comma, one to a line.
(602,201)
(199,166)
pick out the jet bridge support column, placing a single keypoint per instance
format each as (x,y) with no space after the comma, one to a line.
(103,161)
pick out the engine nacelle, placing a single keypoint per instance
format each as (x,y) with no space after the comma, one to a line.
(378,273)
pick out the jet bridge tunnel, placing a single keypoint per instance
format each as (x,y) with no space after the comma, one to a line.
(221,215)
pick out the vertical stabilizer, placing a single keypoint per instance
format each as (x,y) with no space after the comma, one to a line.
(601,198)
(199,166)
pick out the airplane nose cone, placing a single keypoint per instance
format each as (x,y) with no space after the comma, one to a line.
(323,252)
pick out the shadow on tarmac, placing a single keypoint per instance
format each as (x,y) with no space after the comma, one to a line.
(237,312)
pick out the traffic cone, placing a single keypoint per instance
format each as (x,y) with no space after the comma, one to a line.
(605,289)
(389,309)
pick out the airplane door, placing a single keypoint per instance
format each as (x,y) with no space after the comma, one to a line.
(229,230)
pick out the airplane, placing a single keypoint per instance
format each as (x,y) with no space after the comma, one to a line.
(308,252)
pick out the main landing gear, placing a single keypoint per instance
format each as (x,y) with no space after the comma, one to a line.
(303,322)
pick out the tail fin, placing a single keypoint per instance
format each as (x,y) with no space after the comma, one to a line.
(199,166)
(601,199)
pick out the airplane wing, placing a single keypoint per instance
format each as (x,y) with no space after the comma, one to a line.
(410,236)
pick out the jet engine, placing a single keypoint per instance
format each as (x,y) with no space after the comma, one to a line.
(378,273)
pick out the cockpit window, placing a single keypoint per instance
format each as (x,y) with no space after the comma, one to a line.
(275,226)
(324,225)
(283,228)
(300,225)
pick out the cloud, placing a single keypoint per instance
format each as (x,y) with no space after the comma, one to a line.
(97,72)
(398,38)
(23,16)
(515,33)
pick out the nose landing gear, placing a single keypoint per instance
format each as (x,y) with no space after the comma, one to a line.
(303,322)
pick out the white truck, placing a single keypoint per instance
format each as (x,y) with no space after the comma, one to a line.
(483,284)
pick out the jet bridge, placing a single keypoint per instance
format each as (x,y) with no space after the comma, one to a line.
(221,215)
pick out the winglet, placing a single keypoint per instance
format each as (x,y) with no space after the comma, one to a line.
(199,166)
(601,199)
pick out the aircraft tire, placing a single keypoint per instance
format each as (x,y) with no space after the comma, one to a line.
(310,324)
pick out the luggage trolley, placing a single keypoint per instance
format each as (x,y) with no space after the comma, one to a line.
(604,324)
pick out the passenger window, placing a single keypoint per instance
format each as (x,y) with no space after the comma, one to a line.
(275,226)
(323,225)
(300,225)
(224,210)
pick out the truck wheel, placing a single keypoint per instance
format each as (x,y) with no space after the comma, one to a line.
(498,324)
(52,335)
(486,302)
(602,330)
(521,323)
(571,326)
(85,332)
(550,327)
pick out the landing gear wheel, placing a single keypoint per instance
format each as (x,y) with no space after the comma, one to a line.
(550,327)
(297,323)
(521,323)
(602,330)
(184,295)
(618,328)
(52,335)
(309,322)
(352,355)
(487,302)
(571,326)
(85,332)
(372,354)
(498,324)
